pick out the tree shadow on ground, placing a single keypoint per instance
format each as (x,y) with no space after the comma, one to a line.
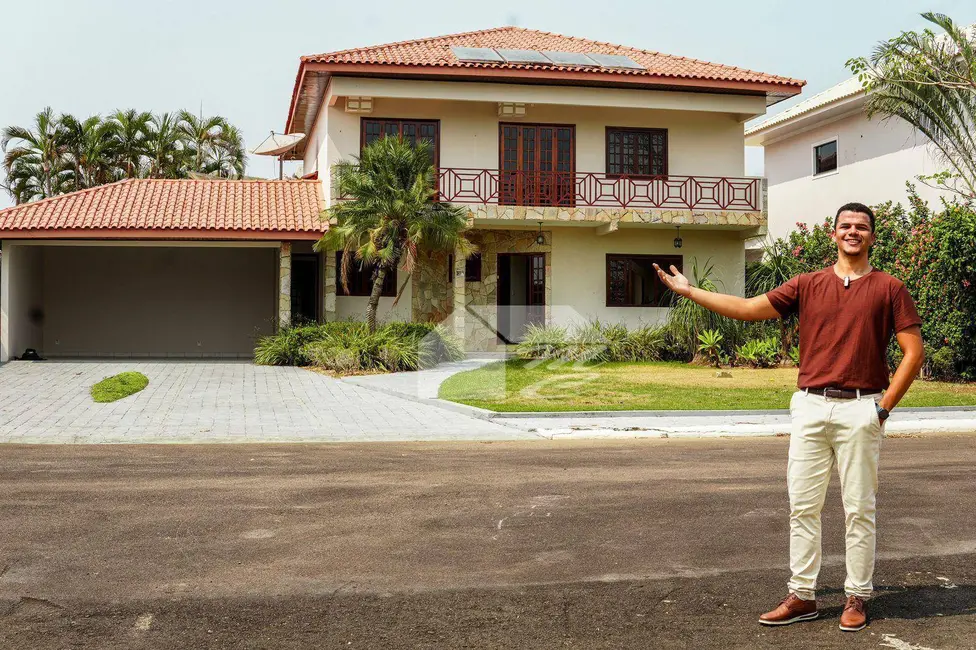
(914,602)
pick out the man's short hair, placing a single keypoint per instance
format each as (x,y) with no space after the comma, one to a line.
(855,207)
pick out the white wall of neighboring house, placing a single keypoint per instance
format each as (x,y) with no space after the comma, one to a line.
(875,157)
(21,296)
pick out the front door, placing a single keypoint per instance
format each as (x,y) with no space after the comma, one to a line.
(304,288)
(538,164)
(521,294)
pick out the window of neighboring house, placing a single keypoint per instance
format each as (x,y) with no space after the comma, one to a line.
(825,157)
(361,279)
(472,268)
(411,130)
(637,152)
(633,282)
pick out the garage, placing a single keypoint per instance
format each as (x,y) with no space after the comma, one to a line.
(146,301)
(157,269)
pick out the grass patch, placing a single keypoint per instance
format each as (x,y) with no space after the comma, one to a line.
(121,385)
(518,385)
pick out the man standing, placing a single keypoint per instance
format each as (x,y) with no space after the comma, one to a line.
(848,313)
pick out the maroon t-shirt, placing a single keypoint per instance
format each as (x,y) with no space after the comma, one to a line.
(844,333)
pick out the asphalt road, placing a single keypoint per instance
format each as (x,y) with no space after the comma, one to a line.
(635,544)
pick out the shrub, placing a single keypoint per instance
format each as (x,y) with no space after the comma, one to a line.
(348,346)
(645,343)
(711,347)
(795,355)
(543,342)
(118,386)
(759,353)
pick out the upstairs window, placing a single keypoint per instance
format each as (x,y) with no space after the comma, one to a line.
(825,157)
(637,152)
(361,279)
(633,282)
(411,130)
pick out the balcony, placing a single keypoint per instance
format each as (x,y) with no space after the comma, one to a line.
(599,190)
(599,197)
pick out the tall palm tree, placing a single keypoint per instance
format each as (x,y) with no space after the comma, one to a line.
(34,166)
(201,136)
(929,81)
(90,151)
(392,213)
(228,156)
(166,152)
(131,133)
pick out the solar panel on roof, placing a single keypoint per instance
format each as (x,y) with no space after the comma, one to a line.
(480,54)
(615,61)
(569,58)
(524,56)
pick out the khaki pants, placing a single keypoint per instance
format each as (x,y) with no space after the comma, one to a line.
(828,432)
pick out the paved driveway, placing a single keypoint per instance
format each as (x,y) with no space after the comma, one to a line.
(216,402)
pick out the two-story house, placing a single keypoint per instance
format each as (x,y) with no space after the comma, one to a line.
(581,163)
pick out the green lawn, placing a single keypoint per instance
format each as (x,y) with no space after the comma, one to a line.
(552,386)
(121,385)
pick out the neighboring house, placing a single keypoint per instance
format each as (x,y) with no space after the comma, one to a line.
(577,160)
(824,152)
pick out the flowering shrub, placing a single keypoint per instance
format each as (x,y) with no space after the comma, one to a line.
(934,254)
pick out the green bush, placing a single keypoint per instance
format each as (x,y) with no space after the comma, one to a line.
(759,353)
(347,346)
(593,341)
(118,386)
(711,347)
(543,342)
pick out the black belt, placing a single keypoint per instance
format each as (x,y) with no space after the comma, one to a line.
(842,393)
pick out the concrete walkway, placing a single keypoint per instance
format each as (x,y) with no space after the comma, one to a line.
(49,402)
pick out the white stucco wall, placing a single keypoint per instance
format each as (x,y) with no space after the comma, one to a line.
(874,159)
(21,295)
(579,276)
(156,301)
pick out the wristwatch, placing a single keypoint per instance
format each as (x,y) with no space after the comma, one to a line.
(882,412)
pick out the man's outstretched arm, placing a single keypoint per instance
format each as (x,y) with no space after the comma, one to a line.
(757,308)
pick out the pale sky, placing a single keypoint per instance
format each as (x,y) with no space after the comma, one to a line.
(239,58)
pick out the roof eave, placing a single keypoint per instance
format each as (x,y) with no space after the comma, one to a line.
(772,128)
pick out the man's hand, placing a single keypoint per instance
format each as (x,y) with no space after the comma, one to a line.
(677,282)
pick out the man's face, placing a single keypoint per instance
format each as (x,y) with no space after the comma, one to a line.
(853,233)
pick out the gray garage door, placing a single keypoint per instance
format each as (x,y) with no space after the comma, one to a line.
(155,301)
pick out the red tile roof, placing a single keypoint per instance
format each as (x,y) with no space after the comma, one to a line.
(185,208)
(436,52)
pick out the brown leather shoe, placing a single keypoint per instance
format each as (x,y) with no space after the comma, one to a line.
(855,615)
(791,610)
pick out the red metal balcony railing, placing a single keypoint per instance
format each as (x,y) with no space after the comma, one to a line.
(597,190)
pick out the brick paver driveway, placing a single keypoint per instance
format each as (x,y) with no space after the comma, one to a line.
(215,402)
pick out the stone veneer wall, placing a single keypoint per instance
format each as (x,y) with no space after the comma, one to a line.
(609,215)
(433,294)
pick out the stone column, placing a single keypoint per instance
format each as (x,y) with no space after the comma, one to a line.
(284,285)
(460,296)
(329,288)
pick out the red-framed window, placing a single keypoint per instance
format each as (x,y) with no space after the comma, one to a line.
(637,152)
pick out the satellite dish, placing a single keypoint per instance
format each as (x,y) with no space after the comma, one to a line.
(278,143)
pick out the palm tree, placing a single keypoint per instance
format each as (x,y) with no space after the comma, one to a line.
(131,133)
(201,136)
(165,149)
(35,166)
(929,81)
(392,213)
(228,155)
(90,151)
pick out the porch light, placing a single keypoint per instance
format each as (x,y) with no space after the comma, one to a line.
(511,109)
(540,239)
(677,240)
